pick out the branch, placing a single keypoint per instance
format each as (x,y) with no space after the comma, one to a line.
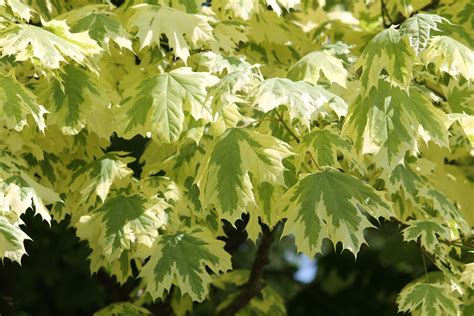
(255,282)
(384,13)
(288,129)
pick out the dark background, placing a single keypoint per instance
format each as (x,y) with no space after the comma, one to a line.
(54,278)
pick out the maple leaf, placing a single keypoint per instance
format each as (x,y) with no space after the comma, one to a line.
(427,231)
(239,158)
(99,175)
(153,20)
(122,221)
(324,146)
(388,121)
(404,7)
(18,8)
(22,192)
(229,91)
(444,208)
(228,35)
(11,241)
(418,28)
(182,259)
(121,267)
(157,104)
(311,66)
(267,208)
(387,51)
(450,56)
(74,98)
(218,64)
(330,204)
(48,46)
(17,103)
(103,26)
(303,100)
(404,178)
(179,163)
(429,299)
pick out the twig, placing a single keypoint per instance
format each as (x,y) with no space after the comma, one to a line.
(255,283)
(384,12)
(280,119)
(424,265)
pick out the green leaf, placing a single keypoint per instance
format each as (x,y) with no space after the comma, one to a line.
(22,192)
(103,26)
(48,46)
(17,103)
(18,8)
(388,51)
(182,259)
(123,222)
(311,66)
(158,104)
(460,97)
(239,158)
(418,29)
(152,21)
(99,175)
(331,204)
(324,146)
(404,178)
(388,122)
(444,208)
(218,64)
(229,91)
(427,231)
(428,299)
(11,241)
(75,98)
(450,56)
(303,100)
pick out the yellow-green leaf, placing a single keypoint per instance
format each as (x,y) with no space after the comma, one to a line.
(182,259)
(331,204)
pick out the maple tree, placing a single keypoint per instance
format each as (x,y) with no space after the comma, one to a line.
(317,118)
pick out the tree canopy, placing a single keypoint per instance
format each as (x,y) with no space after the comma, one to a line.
(317,120)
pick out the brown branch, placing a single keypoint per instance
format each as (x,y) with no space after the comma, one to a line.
(255,282)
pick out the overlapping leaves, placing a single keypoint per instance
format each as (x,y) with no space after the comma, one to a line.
(217,129)
(157,105)
(239,158)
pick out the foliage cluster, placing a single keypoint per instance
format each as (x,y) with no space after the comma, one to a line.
(316,118)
